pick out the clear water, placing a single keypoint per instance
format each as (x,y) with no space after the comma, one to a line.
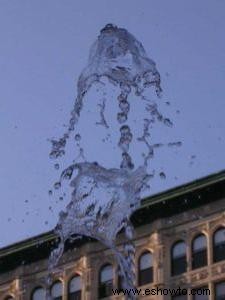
(103,199)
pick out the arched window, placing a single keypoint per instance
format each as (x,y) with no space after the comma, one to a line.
(75,288)
(105,281)
(56,291)
(178,258)
(219,245)
(220,291)
(145,269)
(199,252)
(38,294)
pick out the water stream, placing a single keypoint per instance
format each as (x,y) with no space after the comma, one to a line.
(103,199)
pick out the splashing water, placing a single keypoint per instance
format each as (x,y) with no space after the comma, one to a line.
(119,57)
(103,199)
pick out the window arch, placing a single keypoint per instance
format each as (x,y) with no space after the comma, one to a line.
(38,293)
(178,258)
(219,244)
(199,251)
(105,281)
(75,288)
(56,290)
(145,268)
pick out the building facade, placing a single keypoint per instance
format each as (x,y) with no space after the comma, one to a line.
(180,253)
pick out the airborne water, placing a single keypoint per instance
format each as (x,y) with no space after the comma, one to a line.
(103,199)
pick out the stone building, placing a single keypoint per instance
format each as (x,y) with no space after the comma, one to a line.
(180,244)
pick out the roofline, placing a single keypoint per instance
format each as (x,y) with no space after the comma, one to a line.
(24,244)
(146,202)
(184,188)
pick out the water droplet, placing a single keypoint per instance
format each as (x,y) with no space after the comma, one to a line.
(121,117)
(162,175)
(56,166)
(57,185)
(50,192)
(126,161)
(77,137)
(167,122)
(122,97)
(56,154)
(124,106)
(67,173)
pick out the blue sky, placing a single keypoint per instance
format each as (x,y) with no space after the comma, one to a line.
(44,47)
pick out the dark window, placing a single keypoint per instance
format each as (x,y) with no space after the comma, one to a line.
(8,298)
(199,252)
(178,258)
(201,293)
(180,297)
(56,291)
(219,245)
(105,281)
(220,291)
(38,294)
(75,288)
(120,279)
(145,269)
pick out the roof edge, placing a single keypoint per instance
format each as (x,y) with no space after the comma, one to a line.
(148,201)
(184,188)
